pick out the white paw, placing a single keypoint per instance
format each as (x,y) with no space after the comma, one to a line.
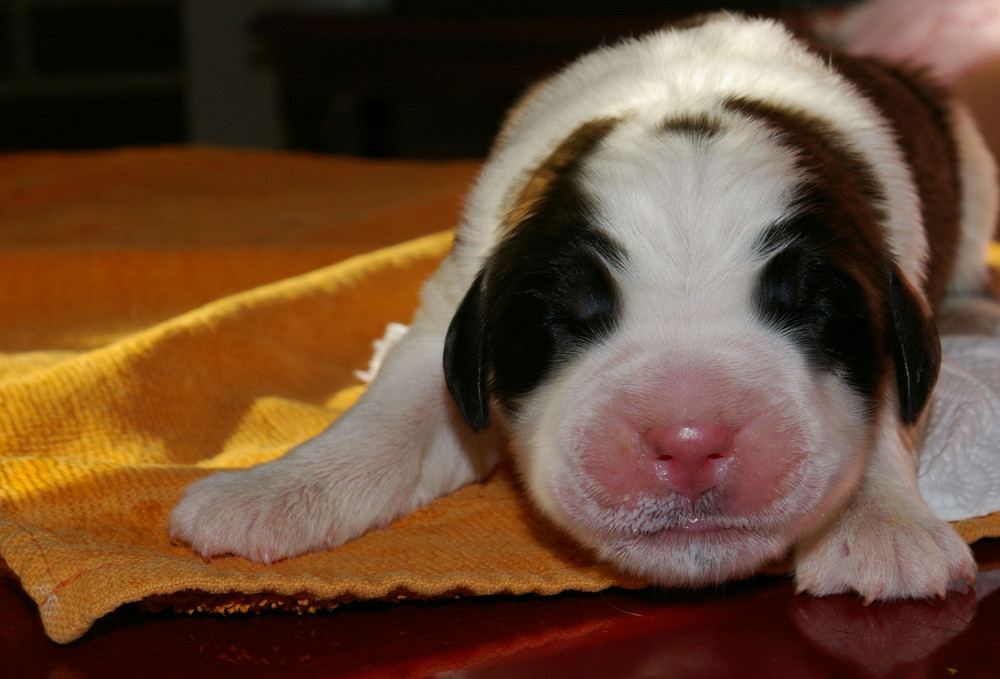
(256,514)
(883,554)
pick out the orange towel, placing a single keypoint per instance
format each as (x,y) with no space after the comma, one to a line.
(164,315)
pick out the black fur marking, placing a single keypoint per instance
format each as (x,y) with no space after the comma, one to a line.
(463,359)
(802,292)
(916,347)
(847,321)
(544,292)
(549,293)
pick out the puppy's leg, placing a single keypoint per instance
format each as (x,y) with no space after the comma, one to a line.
(884,543)
(401,446)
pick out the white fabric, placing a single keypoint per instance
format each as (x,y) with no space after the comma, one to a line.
(393,333)
(960,449)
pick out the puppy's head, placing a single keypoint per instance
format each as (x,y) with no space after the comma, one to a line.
(690,328)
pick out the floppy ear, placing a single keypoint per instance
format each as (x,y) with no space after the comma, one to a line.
(915,346)
(465,358)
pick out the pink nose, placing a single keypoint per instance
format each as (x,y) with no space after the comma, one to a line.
(691,456)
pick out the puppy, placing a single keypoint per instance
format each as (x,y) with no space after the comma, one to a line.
(693,292)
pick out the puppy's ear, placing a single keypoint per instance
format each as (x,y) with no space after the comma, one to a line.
(915,346)
(465,358)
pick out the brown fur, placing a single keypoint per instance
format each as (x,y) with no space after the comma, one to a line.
(918,110)
(701,126)
(559,164)
(848,181)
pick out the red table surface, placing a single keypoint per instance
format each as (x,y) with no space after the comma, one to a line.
(758,628)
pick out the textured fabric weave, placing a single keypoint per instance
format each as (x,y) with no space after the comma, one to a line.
(154,329)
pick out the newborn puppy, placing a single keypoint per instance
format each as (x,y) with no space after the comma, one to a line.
(692,289)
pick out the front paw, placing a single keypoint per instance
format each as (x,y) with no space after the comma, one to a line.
(884,554)
(255,514)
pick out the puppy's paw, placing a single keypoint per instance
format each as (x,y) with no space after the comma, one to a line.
(256,514)
(884,554)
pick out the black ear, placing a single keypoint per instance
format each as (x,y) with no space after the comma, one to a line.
(915,345)
(465,359)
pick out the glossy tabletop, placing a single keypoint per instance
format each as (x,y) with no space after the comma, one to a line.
(758,628)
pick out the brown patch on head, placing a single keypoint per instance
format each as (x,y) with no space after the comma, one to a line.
(694,126)
(836,174)
(561,163)
(920,114)
(822,150)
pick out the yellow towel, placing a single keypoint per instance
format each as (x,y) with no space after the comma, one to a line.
(153,330)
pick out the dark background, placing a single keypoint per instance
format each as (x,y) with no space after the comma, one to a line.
(107,73)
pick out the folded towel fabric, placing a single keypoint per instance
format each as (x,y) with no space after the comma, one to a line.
(131,364)
(153,331)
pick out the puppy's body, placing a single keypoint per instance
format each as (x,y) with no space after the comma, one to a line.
(693,285)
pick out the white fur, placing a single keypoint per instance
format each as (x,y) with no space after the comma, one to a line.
(694,71)
(687,213)
(400,447)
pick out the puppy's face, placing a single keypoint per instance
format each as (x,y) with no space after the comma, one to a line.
(691,329)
